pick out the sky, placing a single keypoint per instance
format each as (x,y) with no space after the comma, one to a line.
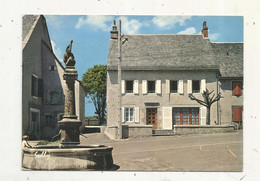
(91,34)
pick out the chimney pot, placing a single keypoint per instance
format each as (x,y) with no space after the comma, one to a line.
(204,30)
(114,32)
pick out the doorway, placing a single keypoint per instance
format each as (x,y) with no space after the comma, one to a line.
(151,117)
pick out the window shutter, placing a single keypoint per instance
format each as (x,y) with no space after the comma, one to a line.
(32,87)
(123,86)
(123,114)
(203,85)
(237,114)
(136,114)
(136,82)
(167,83)
(237,86)
(167,117)
(158,86)
(180,86)
(203,115)
(189,86)
(40,87)
(234,89)
(144,88)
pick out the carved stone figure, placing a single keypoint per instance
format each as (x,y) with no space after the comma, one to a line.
(68,57)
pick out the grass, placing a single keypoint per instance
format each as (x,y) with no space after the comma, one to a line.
(43,142)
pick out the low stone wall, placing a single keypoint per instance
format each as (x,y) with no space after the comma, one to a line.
(94,129)
(139,131)
(202,129)
(111,132)
(129,131)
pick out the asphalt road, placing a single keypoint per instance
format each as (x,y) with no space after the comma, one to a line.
(209,152)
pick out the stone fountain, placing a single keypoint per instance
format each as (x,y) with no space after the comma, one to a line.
(70,155)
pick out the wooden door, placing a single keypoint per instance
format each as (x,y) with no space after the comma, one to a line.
(151,117)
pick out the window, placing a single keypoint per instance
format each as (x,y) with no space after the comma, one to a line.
(129,86)
(49,120)
(36,87)
(52,67)
(60,116)
(151,86)
(185,116)
(237,88)
(237,112)
(54,97)
(173,86)
(195,86)
(129,114)
(34,121)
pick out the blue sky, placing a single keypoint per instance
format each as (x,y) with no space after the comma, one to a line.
(91,34)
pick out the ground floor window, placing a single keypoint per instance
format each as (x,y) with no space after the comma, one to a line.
(49,120)
(129,114)
(237,112)
(185,116)
(34,122)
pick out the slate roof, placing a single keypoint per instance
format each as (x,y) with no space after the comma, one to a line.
(28,22)
(229,57)
(163,52)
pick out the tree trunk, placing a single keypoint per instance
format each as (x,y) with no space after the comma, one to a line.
(208,116)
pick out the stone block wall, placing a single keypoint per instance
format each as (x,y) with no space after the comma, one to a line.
(199,129)
(139,131)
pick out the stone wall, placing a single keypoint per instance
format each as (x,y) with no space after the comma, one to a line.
(139,131)
(164,99)
(228,101)
(129,131)
(199,129)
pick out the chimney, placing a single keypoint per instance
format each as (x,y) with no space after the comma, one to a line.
(204,30)
(114,32)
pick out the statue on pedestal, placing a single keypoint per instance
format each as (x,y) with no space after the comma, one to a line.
(68,57)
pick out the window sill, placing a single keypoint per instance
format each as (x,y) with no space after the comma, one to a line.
(152,94)
(34,97)
(129,93)
(237,95)
(196,93)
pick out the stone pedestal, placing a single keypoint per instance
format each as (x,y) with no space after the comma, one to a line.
(70,124)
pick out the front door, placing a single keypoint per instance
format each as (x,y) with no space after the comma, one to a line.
(151,117)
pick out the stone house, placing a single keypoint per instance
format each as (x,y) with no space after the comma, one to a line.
(158,74)
(43,86)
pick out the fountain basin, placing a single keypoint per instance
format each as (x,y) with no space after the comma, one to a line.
(94,157)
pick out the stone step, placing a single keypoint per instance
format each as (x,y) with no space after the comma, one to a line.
(164,132)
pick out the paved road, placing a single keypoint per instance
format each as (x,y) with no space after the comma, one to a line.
(211,152)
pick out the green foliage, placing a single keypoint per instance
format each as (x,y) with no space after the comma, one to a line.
(94,82)
(43,142)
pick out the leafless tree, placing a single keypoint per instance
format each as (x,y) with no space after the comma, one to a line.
(207,102)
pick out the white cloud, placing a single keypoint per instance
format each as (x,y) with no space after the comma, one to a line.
(131,26)
(54,20)
(99,22)
(190,30)
(213,36)
(167,22)
(56,51)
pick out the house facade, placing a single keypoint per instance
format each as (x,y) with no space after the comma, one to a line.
(43,85)
(158,74)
